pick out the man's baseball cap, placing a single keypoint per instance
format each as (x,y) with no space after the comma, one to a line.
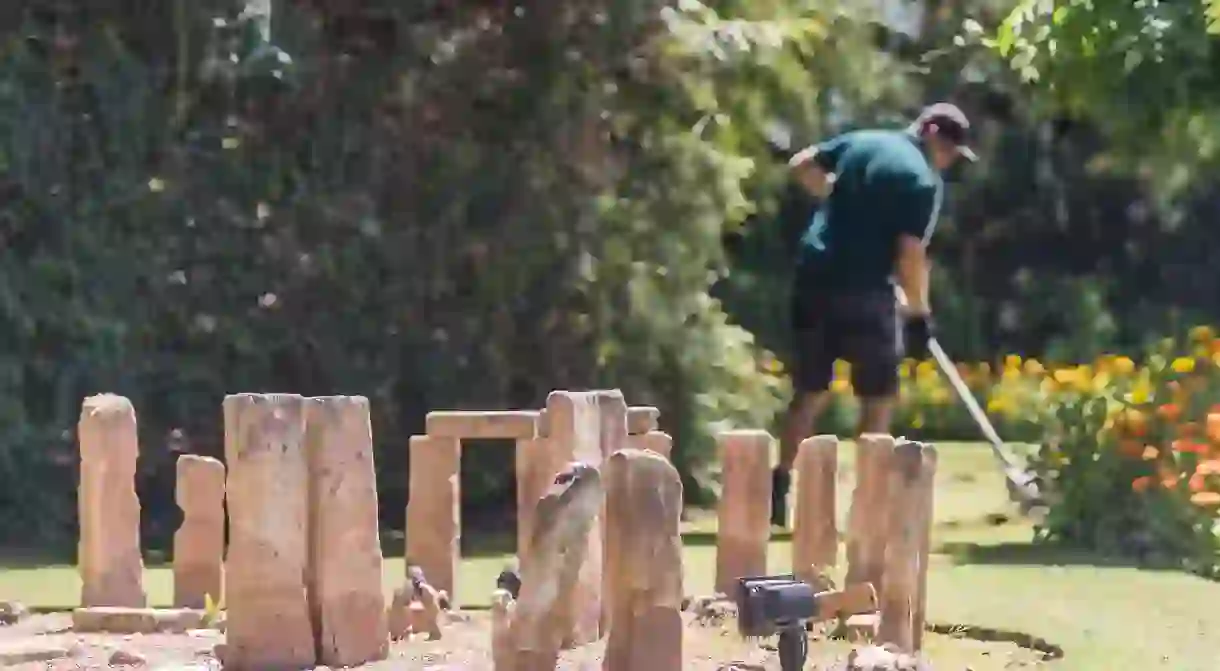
(951,124)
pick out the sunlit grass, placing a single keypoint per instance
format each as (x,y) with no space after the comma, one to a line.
(1106,617)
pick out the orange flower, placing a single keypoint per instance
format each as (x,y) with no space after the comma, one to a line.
(1213,426)
(1198,482)
(1137,423)
(1206,499)
(1189,447)
(1169,412)
(1131,422)
(1208,467)
(1150,453)
(1142,483)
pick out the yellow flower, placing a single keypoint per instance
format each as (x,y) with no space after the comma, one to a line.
(1034,367)
(841,385)
(1202,334)
(1124,365)
(1012,361)
(1183,364)
(1141,391)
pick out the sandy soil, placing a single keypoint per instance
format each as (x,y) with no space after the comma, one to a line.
(465,646)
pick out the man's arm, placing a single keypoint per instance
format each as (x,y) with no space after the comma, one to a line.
(916,218)
(912,274)
(814,166)
(810,173)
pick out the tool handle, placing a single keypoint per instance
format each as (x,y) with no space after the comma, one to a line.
(972,406)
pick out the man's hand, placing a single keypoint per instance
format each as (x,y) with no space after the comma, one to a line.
(810,174)
(917,331)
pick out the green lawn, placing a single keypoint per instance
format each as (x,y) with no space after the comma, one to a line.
(985,575)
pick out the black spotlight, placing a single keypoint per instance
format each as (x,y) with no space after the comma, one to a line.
(778,604)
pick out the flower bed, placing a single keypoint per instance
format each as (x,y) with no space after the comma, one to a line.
(1130,451)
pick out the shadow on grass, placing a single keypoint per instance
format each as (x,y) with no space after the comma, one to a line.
(708,538)
(1049,651)
(1039,554)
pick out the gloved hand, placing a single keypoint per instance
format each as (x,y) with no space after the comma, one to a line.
(917,331)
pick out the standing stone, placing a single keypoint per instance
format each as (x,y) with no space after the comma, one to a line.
(615,418)
(348,605)
(901,585)
(576,435)
(199,544)
(745,507)
(869,514)
(641,419)
(268,623)
(815,534)
(111,568)
(545,616)
(536,466)
(643,562)
(657,441)
(503,654)
(926,497)
(434,511)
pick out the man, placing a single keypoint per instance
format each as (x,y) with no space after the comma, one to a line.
(881,192)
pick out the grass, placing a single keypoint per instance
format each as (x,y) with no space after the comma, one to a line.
(985,578)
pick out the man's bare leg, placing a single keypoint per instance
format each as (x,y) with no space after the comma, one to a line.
(801,418)
(875,415)
(799,422)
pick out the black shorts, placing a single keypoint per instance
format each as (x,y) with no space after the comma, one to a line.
(860,327)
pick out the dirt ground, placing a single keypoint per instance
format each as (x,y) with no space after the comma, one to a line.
(465,646)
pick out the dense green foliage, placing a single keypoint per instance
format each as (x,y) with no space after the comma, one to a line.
(443,204)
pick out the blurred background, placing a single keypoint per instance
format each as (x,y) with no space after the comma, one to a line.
(466,204)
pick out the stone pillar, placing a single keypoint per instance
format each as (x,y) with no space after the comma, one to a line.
(349,609)
(199,544)
(642,419)
(111,568)
(927,498)
(503,653)
(745,507)
(268,623)
(815,533)
(545,617)
(575,421)
(900,589)
(615,426)
(534,472)
(868,517)
(657,441)
(434,510)
(643,563)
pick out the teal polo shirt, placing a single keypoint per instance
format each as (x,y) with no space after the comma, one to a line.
(884,188)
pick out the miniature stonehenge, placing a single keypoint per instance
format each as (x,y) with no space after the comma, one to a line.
(599,543)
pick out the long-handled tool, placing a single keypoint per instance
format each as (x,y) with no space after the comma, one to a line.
(1023,486)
